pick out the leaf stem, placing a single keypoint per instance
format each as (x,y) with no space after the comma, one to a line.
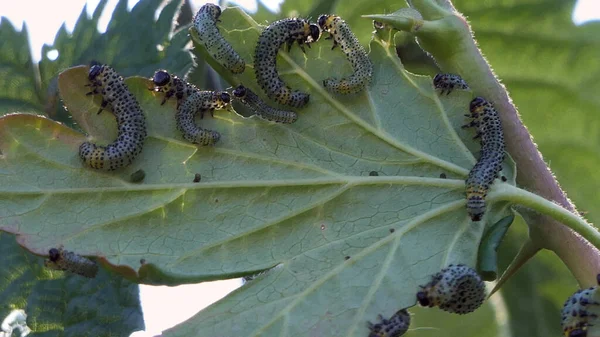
(511,193)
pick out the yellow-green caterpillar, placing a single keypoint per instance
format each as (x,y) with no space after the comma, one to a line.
(265,61)
(342,36)
(205,23)
(262,109)
(131,122)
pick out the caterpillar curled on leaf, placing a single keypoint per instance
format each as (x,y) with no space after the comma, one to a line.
(580,311)
(205,22)
(131,122)
(457,289)
(482,175)
(265,60)
(200,102)
(342,36)
(396,326)
(262,109)
(172,85)
(60,259)
(446,83)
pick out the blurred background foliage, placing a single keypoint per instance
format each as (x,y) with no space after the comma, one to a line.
(549,66)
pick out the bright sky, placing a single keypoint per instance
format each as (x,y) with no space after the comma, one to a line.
(163,306)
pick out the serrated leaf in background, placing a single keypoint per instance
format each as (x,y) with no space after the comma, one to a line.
(61,304)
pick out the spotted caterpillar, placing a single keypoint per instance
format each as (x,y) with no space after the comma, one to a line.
(396,326)
(262,109)
(60,259)
(190,101)
(205,23)
(200,101)
(131,122)
(457,289)
(265,60)
(363,68)
(482,175)
(448,82)
(580,310)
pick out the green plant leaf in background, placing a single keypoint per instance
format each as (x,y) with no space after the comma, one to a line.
(124,45)
(58,304)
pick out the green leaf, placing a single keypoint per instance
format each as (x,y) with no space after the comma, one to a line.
(61,304)
(488,250)
(18,89)
(301,196)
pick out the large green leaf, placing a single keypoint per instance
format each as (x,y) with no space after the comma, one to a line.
(350,245)
(58,304)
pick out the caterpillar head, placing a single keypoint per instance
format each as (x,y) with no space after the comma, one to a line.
(314,32)
(95,70)
(240,91)
(161,78)
(54,254)
(214,10)
(225,97)
(322,21)
(476,103)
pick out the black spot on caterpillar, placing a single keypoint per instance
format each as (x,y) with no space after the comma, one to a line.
(449,82)
(190,101)
(262,109)
(205,23)
(482,175)
(580,310)
(197,178)
(457,289)
(172,85)
(137,176)
(60,259)
(265,59)
(131,122)
(200,101)
(355,53)
(396,326)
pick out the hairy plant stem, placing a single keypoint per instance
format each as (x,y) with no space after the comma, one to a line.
(449,39)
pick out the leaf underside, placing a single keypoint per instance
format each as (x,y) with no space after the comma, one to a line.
(348,245)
